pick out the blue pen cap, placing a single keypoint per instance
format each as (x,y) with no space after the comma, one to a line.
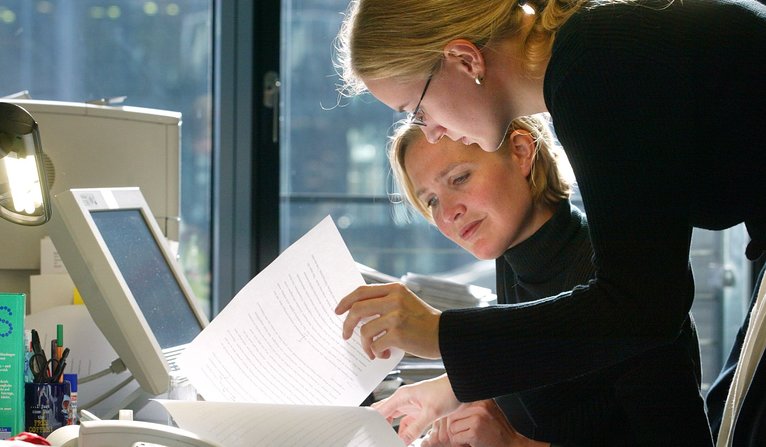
(72,379)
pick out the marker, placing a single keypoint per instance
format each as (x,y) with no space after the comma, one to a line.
(60,335)
(59,340)
(60,352)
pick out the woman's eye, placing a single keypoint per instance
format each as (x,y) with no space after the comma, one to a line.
(432,202)
(461,179)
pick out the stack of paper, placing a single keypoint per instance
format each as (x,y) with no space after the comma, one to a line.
(273,367)
(444,294)
(438,292)
(414,369)
(372,276)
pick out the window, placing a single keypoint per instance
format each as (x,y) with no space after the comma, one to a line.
(156,53)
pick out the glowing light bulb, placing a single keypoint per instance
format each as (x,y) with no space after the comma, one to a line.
(23,183)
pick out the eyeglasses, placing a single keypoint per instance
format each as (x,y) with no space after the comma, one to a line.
(417,117)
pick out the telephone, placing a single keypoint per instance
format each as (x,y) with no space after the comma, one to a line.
(122,433)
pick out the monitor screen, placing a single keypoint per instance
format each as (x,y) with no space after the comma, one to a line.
(148,276)
(128,278)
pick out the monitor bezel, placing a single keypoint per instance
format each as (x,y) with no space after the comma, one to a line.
(103,287)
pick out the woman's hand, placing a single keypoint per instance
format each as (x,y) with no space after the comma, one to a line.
(438,435)
(477,424)
(391,316)
(418,405)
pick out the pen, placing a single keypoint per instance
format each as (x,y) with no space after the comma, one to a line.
(54,350)
(58,374)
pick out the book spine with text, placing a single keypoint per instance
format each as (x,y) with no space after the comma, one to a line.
(12,349)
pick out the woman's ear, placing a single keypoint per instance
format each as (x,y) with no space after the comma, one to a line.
(466,56)
(523,148)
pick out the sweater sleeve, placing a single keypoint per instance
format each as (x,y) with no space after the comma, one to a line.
(608,110)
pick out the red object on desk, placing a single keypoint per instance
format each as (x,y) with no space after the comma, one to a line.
(30,438)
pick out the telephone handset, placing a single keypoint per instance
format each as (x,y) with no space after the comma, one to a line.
(119,433)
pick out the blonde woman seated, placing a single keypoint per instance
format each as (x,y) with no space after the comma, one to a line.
(513,205)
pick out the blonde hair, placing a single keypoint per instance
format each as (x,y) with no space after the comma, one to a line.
(550,179)
(404,39)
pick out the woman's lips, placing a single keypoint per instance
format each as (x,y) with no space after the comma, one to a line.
(470,229)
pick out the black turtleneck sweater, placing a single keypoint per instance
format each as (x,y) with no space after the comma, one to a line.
(659,106)
(599,408)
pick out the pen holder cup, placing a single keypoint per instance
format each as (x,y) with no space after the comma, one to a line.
(47,407)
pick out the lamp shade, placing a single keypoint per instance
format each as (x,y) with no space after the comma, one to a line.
(24,191)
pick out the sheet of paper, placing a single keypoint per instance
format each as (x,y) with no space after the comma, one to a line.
(265,425)
(279,340)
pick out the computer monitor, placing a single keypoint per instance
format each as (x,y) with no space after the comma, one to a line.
(129,280)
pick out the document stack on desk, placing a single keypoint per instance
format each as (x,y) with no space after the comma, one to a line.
(439,292)
(272,366)
(444,294)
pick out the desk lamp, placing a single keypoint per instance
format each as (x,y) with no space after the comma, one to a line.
(24,196)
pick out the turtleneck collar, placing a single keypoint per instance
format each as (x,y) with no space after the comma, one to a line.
(540,256)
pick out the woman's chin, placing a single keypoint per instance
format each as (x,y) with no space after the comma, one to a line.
(484,254)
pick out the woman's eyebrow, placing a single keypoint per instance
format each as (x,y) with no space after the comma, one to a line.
(443,173)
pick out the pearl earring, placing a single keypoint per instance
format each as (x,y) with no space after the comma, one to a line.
(478,80)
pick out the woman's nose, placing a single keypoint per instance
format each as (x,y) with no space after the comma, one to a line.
(433,133)
(451,211)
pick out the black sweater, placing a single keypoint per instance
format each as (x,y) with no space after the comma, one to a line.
(599,408)
(660,111)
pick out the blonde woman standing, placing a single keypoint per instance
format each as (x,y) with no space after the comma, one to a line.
(638,91)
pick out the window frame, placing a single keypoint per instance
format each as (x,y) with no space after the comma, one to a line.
(245,217)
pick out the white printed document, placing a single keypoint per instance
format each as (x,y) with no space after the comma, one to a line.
(242,424)
(277,347)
